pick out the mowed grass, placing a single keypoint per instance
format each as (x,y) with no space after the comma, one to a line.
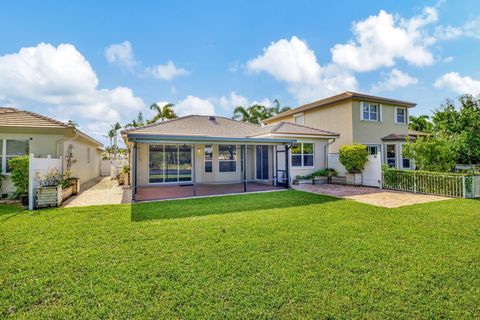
(307,256)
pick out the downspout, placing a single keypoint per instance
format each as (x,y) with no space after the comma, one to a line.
(326,151)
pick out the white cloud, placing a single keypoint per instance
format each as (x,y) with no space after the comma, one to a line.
(232,101)
(381,39)
(293,62)
(121,54)
(62,81)
(459,84)
(194,105)
(470,29)
(393,80)
(166,71)
(447,59)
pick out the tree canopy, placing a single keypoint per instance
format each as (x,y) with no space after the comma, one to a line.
(162,113)
(257,112)
(420,123)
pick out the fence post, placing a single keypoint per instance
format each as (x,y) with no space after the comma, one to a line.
(464,187)
(30,182)
(414,182)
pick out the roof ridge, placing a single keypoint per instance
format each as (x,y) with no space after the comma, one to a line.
(157,123)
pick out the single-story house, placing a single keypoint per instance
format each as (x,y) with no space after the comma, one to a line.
(203,155)
(24,132)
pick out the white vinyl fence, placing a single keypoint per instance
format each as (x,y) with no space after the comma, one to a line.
(371,175)
(40,166)
(112,167)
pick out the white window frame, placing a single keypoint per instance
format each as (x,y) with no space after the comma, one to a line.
(4,155)
(405,115)
(205,158)
(396,154)
(302,154)
(234,160)
(378,146)
(401,159)
(369,106)
(178,163)
(299,115)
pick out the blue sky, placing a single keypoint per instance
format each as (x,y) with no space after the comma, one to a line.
(99,62)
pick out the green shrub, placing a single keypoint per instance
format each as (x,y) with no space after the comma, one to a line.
(325,172)
(431,154)
(19,175)
(354,157)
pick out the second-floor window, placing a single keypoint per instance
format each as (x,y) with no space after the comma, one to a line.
(401,115)
(299,119)
(370,111)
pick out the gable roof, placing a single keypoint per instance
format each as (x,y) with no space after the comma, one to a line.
(15,118)
(220,127)
(11,117)
(347,95)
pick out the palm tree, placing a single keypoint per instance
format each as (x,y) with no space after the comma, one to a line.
(136,123)
(420,123)
(162,113)
(112,135)
(277,108)
(253,114)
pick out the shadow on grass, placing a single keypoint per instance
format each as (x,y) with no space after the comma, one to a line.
(8,211)
(173,209)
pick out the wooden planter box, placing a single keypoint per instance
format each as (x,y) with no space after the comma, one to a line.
(302,181)
(320,180)
(338,180)
(68,192)
(48,197)
(355,179)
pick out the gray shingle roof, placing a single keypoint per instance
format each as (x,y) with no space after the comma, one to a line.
(337,98)
(215,126)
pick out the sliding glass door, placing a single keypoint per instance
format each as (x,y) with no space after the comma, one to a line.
(170,163)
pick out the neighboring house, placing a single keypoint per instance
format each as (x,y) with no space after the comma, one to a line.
(379,123)
(222,154)
(24,132)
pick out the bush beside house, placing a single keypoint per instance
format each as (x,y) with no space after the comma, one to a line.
(353,158)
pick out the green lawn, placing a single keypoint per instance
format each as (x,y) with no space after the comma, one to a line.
(284,255)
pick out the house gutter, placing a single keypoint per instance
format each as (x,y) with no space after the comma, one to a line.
(171,138)
(326,151)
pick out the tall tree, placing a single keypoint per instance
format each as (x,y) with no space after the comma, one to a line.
(253,114)
(420,123)
(277,108)
(461,127)
(136,123)
(113,135)
(162,113)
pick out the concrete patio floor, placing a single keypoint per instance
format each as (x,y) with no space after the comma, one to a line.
(374,196)
(176,192)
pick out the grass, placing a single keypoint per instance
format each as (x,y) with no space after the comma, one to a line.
(239,257)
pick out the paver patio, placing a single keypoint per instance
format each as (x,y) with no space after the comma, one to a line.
(100,191)
(374,196)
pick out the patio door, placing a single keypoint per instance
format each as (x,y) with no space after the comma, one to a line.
(170,163)
(261,162)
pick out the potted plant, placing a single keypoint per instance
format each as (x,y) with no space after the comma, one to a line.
(323,176)
(19,177)
(69,162)
(49,192)
(353,158)
(124,176)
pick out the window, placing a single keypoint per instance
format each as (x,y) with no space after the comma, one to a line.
(169,163)
(401,115)
(302,155)
(373,149)
(208,154)
(227,158)
(370,111)
(391,155)
(13,149)
(299,119)
(406,163)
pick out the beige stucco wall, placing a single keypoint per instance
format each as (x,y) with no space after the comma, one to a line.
(319,158)
(85,169)
(53,144)
(371,132)
(336,118)
(40,144)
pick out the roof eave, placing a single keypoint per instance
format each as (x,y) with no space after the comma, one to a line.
(182,138)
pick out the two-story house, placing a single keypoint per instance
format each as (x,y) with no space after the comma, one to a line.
(379,123)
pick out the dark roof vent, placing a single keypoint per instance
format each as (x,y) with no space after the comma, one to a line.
(211,118)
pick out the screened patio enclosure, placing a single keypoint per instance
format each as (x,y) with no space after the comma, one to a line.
(176,169)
